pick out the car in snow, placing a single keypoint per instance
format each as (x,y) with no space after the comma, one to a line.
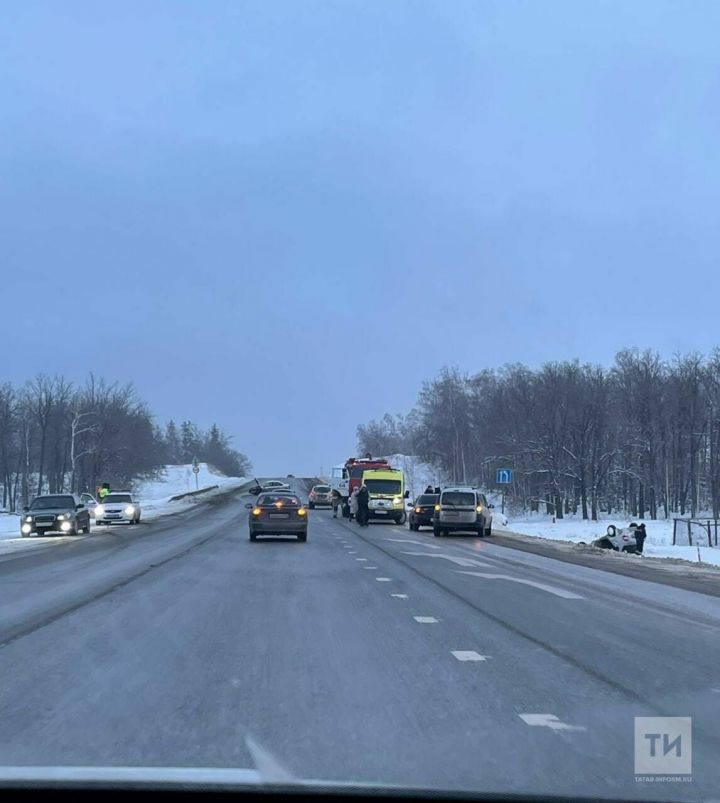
(320,495)
(59,513)
(90,503)
(422,512)
(273,485)
(277,514)
(462,508)
(118,506)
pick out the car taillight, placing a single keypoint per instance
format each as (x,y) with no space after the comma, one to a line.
(437,507)
(479,508)
(256,511)
(301,511)
(418,510)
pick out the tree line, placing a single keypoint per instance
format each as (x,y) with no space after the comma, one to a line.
(56,437)
(641,436)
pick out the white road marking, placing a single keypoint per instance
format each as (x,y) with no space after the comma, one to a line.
(548,721)
(425,620)
(399,596)
(417,543)
(452,558)
(360,558)
(352,552)
(383,579)
(369,567)
(267,765)
(558,592)
(469,655)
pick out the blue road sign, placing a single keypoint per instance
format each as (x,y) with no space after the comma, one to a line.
(503,476)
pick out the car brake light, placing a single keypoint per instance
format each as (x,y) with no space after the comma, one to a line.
(256,511)
(479,508)
(278,503)
(437,507)
(301,511)
(418,510)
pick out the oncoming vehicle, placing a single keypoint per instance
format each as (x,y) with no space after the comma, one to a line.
(118,506)
(273,485)
(387,494)
(60,513)
(462,508)
(422,512)
(277,514)
(320,495)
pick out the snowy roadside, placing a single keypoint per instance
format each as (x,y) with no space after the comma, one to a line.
(574,530)
(154,496)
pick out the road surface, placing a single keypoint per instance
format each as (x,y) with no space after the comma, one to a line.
(373,654)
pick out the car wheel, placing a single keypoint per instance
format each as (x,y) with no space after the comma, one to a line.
(86,529)
(488,531)
(437,532)
(401,519)
(312,505)
(302,537)
(253,537)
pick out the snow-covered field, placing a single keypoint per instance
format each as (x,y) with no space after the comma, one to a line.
(153,495)
(573,529)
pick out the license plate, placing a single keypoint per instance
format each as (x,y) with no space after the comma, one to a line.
(381,512)
(279,515)
(451,513)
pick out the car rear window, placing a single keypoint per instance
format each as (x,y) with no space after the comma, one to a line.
(270,499)
(459,498)
(117,498)
(427,499)
(322,489)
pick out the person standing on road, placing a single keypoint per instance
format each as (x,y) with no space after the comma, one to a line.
(640,536)
(104,490)
(363,500)
(354,504)
(429,490)
(335,501)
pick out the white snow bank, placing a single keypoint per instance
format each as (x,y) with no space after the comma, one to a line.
(576,530)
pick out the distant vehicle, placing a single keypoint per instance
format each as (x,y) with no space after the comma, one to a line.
(347,476)
(118,506)
(60,513)
(277,514)
(273,485)
(90,503)
(386,489)
(320,495)
(291,476)
(462,508)
(422,512)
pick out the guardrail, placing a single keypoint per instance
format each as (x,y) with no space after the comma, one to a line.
(193,493)
(695,532)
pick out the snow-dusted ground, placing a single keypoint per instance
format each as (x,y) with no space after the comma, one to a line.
(153,496)
(573,529)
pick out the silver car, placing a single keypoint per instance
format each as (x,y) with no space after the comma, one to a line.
(118,506)
(462,508)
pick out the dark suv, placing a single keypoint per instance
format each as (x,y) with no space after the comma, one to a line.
(60,513)
(423,511)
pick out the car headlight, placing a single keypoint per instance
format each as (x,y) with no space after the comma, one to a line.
(28,518)
(63,516)
(479,508)
(397,500)
(99,510)
(65,526)
(129,510)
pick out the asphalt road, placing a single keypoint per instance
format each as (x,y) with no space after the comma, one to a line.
(374,655)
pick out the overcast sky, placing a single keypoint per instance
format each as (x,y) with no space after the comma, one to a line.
(284,216)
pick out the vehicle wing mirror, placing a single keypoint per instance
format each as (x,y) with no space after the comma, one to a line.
(406,495)
(80,506)
(248,505)
(492,507)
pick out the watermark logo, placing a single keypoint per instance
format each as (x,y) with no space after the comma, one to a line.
(663,747)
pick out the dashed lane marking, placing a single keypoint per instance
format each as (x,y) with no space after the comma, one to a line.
(549,721)
(383,579)
(417,543)
(425,620)
(469,655)
(361,559)
(399,596)
(451,558)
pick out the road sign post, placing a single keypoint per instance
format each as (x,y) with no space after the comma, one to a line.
(503,476)
(196,471)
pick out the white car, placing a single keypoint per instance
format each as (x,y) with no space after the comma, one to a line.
(120,506)
(275,485)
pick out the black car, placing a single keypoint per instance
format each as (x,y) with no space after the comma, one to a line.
(60,513)
(277,514)
(422,511)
